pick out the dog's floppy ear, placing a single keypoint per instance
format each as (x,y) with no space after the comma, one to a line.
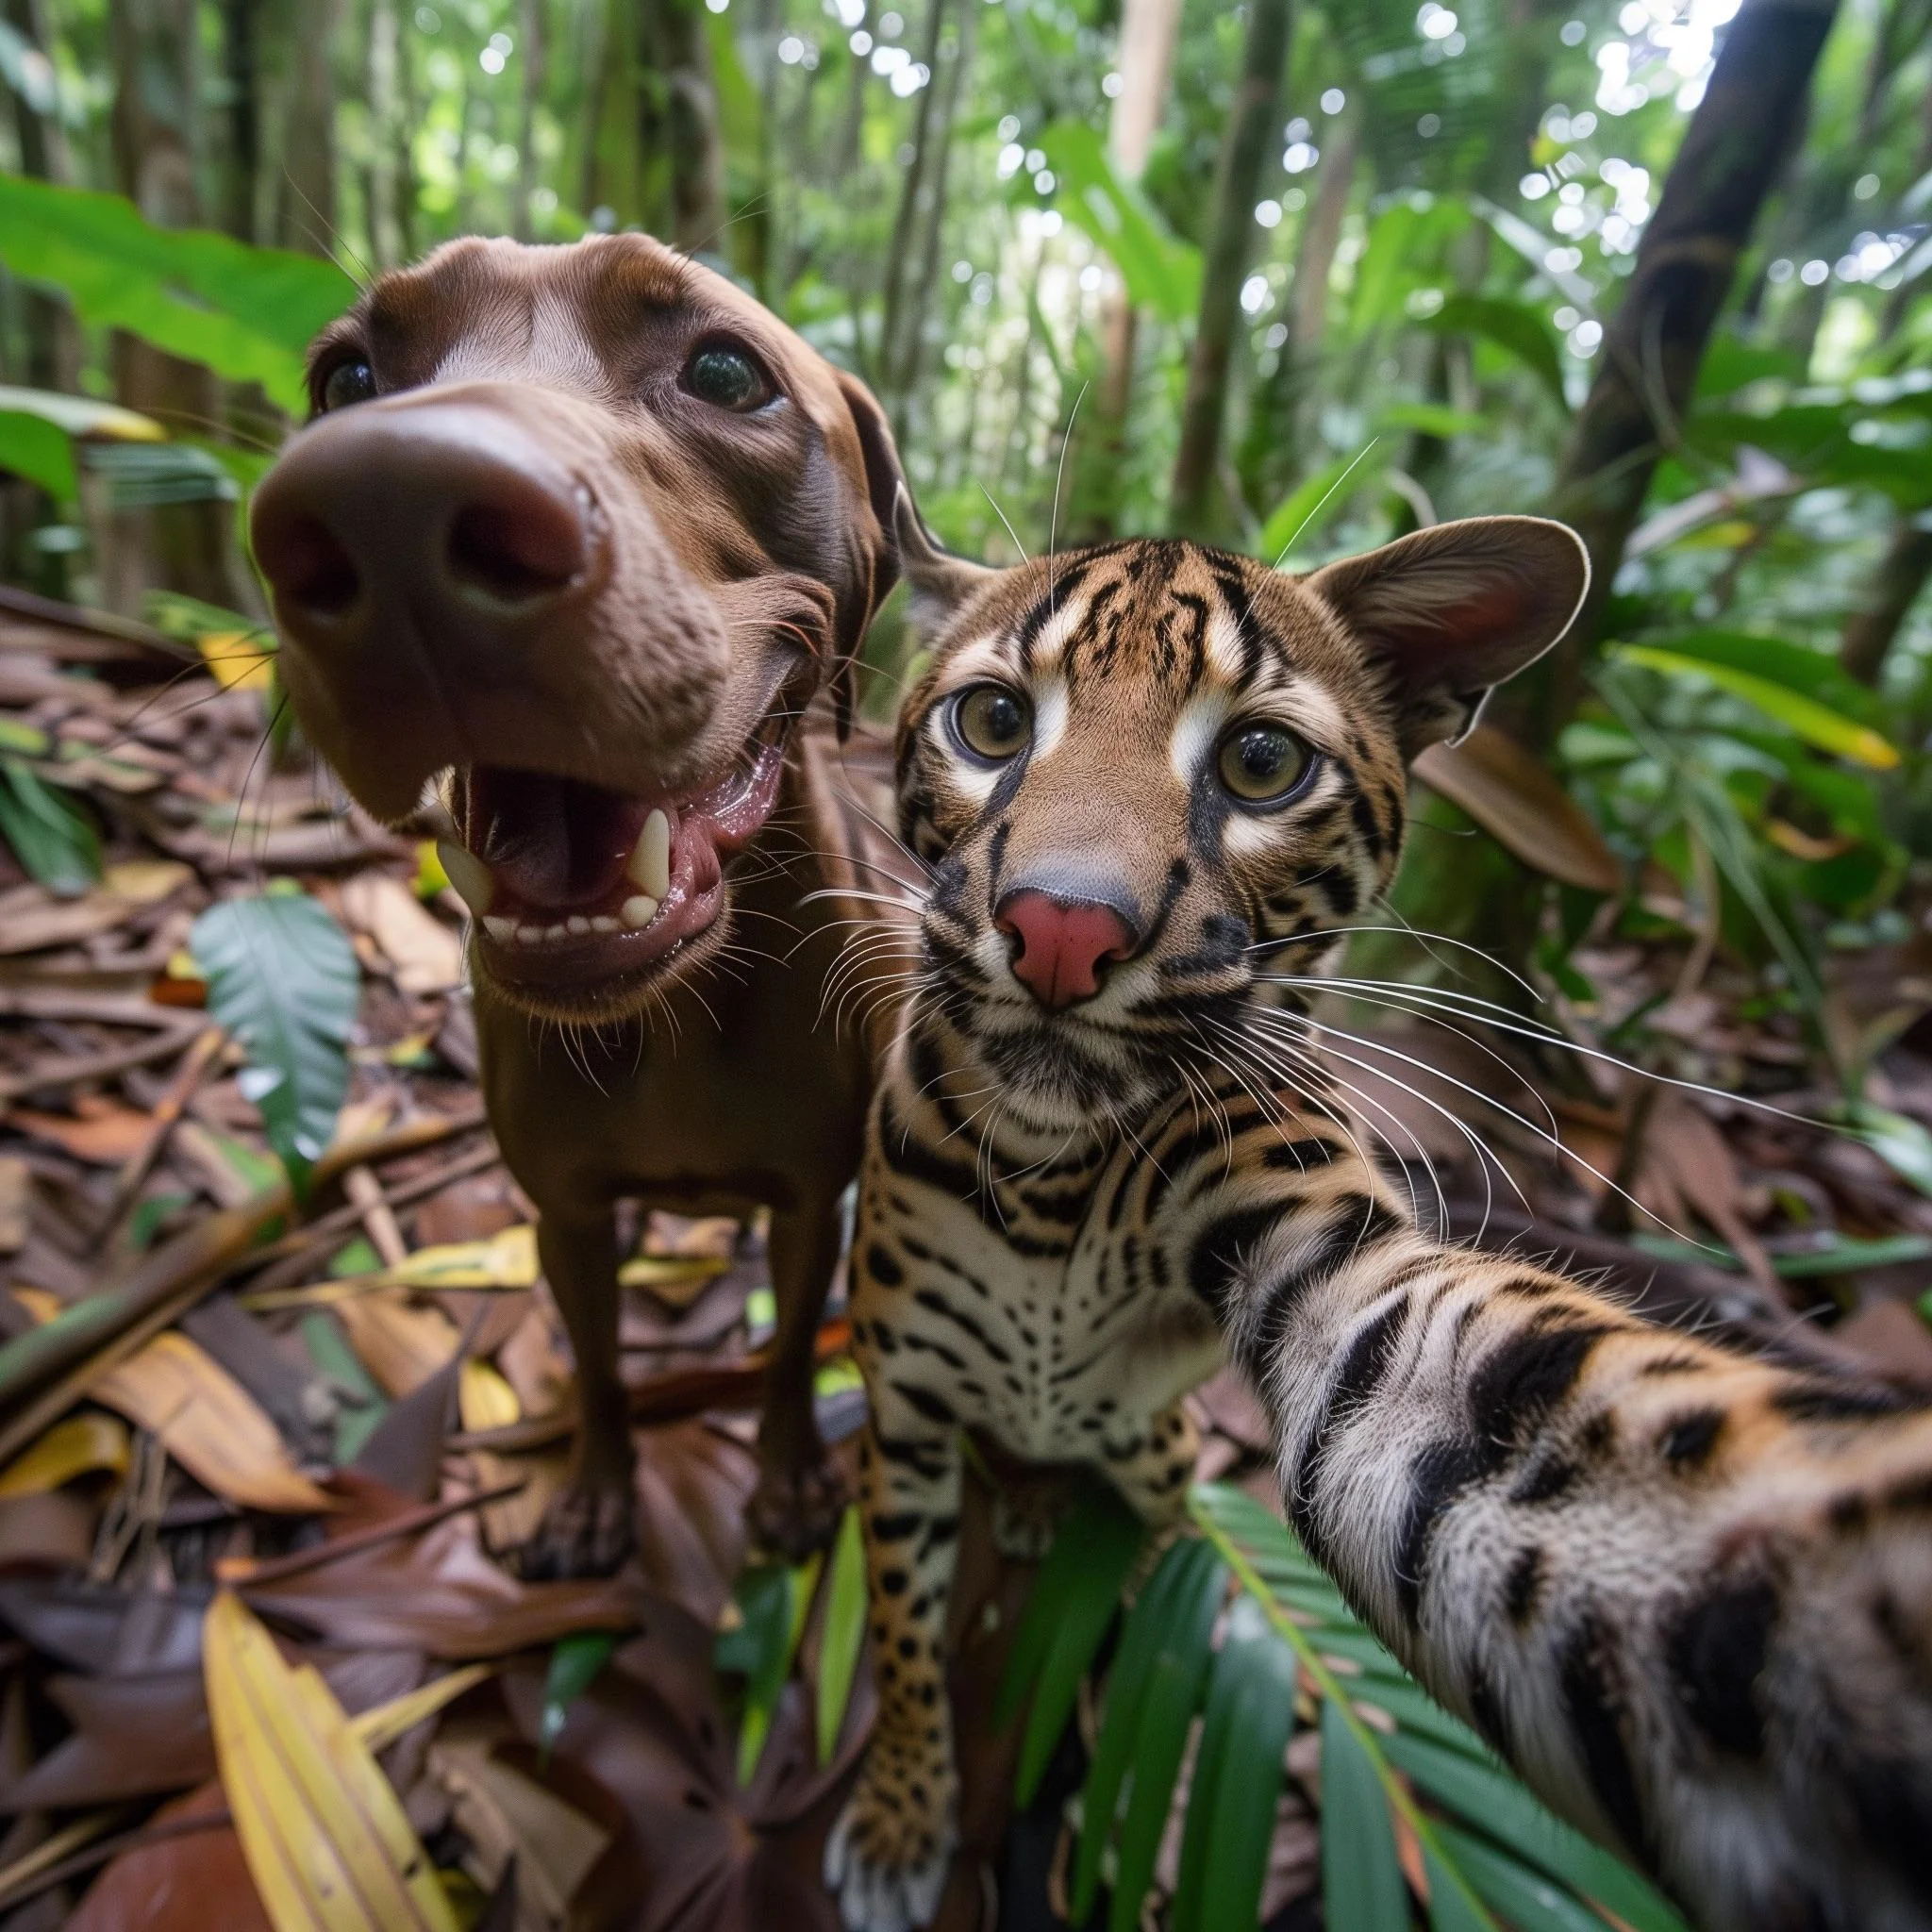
(884,480)
(941,584)
(1450,612)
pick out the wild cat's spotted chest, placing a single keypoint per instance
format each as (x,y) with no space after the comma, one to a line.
(1042,1306)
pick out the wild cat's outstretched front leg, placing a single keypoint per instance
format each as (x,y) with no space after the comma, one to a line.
(888,1856)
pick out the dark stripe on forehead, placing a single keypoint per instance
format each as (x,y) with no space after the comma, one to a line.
(1240,606)
(1064,579)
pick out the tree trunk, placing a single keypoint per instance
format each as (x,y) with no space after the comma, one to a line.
(1321,239)
(1732,152)
(1145,64)
(906,221)
(1894,589)
(182,546)
(386,135)
(1253,134)
(531,53)
(53,343)
(306,214)
(241,159)
(912,338)
(846,153)
(42,141)
(693,146)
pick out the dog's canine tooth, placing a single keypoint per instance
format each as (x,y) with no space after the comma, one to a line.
(502,930)
(638,911)
(474,883)
(649,864)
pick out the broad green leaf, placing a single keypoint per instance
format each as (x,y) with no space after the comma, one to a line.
(1162,273)
(83,415)
(771,1599)
(843,1634)
(1514,326)
(1362,1887)
(32,447)
(574,1662)
(53,840)
(1073,1602)
(1816,724)
(1237,1776)
(248,313)
(1812,674)
(1902,1142)
(1524,1897)
(282,978)
(1429,419)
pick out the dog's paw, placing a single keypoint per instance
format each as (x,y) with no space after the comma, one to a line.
(887,1864)
(584,1532)
(1024,1521)
(795,1508)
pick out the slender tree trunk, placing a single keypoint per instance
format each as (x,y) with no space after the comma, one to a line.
(530,51)
(402,133)
(845,152)
(386,133)
(1895,586)
(42,141)
(906,222)
(184,546)
(1321,239)
(1732,152)
(1901,297)
(689,142)
(1254,130)
(913,343)
(242,162)
(53,345)
(306,216)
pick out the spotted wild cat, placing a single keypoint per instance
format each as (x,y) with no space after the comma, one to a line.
(1686,1592)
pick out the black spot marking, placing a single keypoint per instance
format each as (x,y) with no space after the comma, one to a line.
(1715,1649)
(1839,1402)
(1221,1247)
(1486,1708)
(1436,1478)
(1545,1480)
(1523,1585)
(1591,1700)
(934,1407)
(883,1267)
(1524,1378)
(1687,1441)
(1896,1819)
(1360,1375)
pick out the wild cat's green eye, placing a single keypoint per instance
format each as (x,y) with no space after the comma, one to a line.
(992,722)
(1261,763)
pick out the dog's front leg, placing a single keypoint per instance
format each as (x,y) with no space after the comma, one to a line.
(796,1506)
(586,1530)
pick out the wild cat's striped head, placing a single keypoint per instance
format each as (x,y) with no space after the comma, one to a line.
(1139,771)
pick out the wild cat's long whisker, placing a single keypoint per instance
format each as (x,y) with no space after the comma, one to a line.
(1326,934)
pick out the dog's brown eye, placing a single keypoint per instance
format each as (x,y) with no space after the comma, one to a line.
(1261,763)
(992,722)
(348,382)
(728,378)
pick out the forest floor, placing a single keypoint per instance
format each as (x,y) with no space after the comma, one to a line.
(344,1417)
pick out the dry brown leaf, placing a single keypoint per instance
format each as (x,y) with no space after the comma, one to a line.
(194,1882)
(16,1186)
(426,955)
(100,1131)
(205,1419)
(1513,797)
(32,919)
(400,1344)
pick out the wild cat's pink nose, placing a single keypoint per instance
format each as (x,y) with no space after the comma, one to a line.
(1063,945)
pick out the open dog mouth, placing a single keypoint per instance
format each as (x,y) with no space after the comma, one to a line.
(572,883)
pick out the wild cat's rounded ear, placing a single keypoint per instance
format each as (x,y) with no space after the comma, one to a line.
(941,584)
(1453,609)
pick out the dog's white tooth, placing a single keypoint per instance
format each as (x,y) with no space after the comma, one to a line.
(529,935)
(474,882)
(649,864)
(603,922)
(638,911)
(502,930)
(577,925)
(559,931)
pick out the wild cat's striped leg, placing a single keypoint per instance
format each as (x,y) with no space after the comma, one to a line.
(1686,1591)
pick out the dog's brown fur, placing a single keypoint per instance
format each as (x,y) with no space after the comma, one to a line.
(736,559)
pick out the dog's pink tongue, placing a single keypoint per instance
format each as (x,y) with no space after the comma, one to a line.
(552,843)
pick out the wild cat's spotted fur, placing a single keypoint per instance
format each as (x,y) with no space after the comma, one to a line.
(1687,1593)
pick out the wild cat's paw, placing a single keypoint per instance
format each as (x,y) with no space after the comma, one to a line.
(887,1859)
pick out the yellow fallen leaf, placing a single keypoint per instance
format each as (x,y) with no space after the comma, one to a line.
(485,1400)
(209,1424)
(78,1446)
(146,881)
(238,659)
(669,1271)
(426,954)
(506,1260)
(380,1726)
(324,1835)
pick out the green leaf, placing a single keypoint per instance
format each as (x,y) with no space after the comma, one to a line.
(1161,272)
(82,415)
(32,447)
(248,313)
(1902,1142)
(1429,419)
(1304,507)
(1362,1887)
(1073,1602)
(1812,674)
(1524,1897)
(574,1662)
(1513,327)
(1162,1707)
(1237,1776)
(773,1599)
(1816,724)
(843,1634)
(282,978)
(53,840)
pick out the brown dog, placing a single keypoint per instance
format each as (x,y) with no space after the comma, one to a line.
(578,536)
